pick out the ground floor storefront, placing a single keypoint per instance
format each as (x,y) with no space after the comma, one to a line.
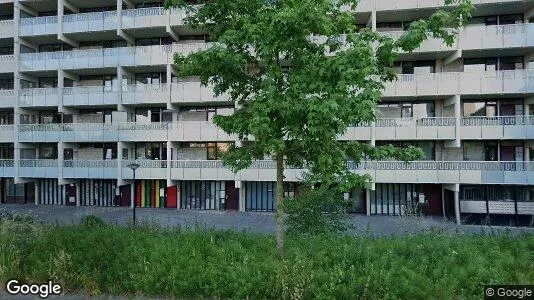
(506,205)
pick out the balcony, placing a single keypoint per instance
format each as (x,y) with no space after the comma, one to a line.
(7,168)
(7,133)
(144,17)
(504,127)
(8,63)
(90,95)
(99,21)
(202,131)
(464,172)
(145,94)
(415,128)
(94,21)
(38,26)
(38,168)
(395,5)
(39,97)
(107,57)
(480,37)
(441,172)
(7,29)
(148,169)
(105,169)
(7,98)
(193,91)
(461,83)
(496,37)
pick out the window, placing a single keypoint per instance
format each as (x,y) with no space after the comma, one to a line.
(423,109)
(416,67)
(473,151)
(493,64)
(48,82)
(47,151)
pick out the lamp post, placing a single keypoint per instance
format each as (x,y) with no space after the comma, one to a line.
(134,167)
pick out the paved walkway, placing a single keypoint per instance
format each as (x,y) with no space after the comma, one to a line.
(253,221)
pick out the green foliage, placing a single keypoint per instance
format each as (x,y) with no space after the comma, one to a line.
(297,95)
(128,261)
(316,211)
(92,221)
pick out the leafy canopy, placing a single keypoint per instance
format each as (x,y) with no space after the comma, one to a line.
(301,73)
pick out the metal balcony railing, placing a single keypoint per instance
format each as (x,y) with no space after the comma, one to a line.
(38,163)
(90,163)
(498,120)
(7,163)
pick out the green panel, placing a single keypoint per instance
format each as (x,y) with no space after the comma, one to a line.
(147,192)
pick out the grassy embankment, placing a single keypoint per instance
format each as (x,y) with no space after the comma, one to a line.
(103,259)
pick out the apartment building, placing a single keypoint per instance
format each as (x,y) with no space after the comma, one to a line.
(88,87)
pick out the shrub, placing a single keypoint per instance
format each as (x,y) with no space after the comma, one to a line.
(92,221)
(316,211)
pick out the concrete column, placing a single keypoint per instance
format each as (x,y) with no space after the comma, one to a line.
(78,192)
(120,146)
(60,86)
(16,87)
(457,204)
(368,202)
(458,115)
(36,187)
(169,86)
(242,196)
(60,159)
(169,161)
(371,23)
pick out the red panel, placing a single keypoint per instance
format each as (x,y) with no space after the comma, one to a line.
(138,193)
(172,191)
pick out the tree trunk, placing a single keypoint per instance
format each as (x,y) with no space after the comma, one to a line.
(280,227)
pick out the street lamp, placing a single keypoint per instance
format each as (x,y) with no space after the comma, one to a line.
(134,167)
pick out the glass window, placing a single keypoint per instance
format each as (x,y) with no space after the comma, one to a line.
(473,109)
(473,151)
(490,151)
(423,110)
(511,19)
(511,63)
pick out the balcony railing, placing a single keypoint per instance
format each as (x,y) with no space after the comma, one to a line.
(462,83)
(38,163)
(403,122)
(107,57)
(498,120)
(444,165)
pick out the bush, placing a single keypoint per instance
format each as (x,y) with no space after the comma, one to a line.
(92,221)
(316,211)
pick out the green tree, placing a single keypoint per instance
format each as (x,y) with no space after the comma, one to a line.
(301,72)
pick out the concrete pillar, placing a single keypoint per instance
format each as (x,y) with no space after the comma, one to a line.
(242,197)
(120,147)
(368,202)
(457,204)
(78,192)
(371,23)
(36,187)
(60,159)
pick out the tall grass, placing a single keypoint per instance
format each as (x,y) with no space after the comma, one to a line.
(96,259)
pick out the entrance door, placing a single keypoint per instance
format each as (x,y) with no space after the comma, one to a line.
(433,195)
(125,195)
(449,204)
(71,194)
(232,196)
